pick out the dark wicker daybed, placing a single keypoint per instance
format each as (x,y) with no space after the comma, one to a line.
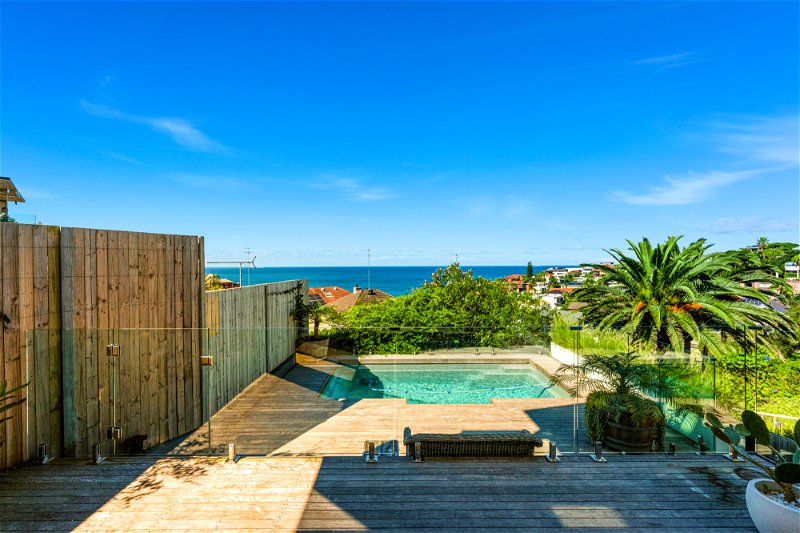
(471,444)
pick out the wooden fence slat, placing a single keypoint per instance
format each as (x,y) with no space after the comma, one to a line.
(187,335)
(67,244)
(38,342)
(180,400)
(101,323)
(54,343)
(161,338)
(197,293)
(167,296)
(10,290)
(25,306)
(91,363)
(77,278)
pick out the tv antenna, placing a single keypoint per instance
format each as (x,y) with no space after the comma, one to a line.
(251,262)
(369,268)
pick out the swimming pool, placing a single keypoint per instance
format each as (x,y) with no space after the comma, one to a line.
(440,383)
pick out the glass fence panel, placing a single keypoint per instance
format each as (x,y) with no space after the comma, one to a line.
(104,392)
(279,391)
(453,381)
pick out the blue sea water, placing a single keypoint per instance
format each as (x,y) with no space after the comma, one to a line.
(396,280)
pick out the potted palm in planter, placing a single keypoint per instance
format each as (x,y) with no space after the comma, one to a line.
(773,501)
(619,409)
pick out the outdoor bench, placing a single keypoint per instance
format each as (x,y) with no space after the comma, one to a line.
(471,444)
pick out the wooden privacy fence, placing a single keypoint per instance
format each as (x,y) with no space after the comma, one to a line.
(251,331)
(143,292)
(67,294)
(30,299)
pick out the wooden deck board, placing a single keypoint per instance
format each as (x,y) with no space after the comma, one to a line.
(287,417)
(631,493)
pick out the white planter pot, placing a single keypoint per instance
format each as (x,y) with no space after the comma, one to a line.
(768,515)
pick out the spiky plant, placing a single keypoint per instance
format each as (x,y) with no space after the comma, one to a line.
(784,473)
(667,296)
(619,388)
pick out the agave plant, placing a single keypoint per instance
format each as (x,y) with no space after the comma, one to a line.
(785,472)
(8,397)
(621,388)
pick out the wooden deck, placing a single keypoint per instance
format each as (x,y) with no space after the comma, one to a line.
(644,493)
(285,416)
(279,424)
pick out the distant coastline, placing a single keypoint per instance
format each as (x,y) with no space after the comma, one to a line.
(396,280)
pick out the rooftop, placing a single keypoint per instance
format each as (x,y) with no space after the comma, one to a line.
(361,296)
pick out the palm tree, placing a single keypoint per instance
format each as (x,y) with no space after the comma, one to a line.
(666,296)
(761,245)
(620,387)
(314,312)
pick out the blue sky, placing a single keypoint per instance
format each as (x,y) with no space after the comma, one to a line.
(501,132)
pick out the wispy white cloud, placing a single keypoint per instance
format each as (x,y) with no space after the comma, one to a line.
(516,209)
(773,140)
(351,189)
(691,189)
(766,145)
(753,224)
(123,157)
(668,61)
(180,130)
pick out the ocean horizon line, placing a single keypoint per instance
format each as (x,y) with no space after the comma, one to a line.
(395,280)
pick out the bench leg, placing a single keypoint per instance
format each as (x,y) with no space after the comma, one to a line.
(417,457)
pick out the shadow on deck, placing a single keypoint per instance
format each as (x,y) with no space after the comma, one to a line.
(643,493)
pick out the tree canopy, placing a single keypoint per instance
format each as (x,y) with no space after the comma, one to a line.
(454,309)
(667,296)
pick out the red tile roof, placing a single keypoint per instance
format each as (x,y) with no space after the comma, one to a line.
(363,296)
(328,294)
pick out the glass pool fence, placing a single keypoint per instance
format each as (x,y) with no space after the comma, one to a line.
(284,391)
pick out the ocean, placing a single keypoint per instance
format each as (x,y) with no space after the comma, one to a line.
(396,280)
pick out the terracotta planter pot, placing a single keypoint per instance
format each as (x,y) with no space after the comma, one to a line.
(768,515)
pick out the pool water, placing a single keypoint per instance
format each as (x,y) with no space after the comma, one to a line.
(440,383)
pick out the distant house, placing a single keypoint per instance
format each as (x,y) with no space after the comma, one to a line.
(561,290)
(326,295)
(517,284)
(555,297)
(790,269)
(552,300)
(557,272)
(214,282)
(358,297)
